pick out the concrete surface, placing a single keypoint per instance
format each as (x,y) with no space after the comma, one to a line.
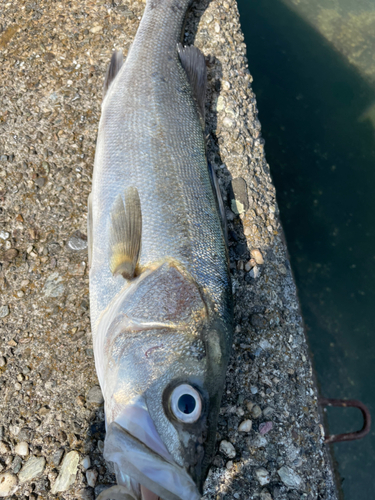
(53,57)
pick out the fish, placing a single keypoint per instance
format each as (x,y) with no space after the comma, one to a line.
(161,304)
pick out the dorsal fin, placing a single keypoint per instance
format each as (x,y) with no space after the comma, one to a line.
(192,60)
(114,67)
(125,234)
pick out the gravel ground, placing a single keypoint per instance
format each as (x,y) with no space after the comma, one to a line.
(53,57)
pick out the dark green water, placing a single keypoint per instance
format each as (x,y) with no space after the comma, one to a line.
(322,155)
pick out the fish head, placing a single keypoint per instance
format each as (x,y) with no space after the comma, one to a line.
(164,357)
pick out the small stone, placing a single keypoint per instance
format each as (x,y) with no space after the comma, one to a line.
(32,469)
(237,207)
(8,484)
(267,412)
(290,478)
(40,181)
(4,448)
(262,476)
(57,456)
(3,361)
(254,273)
(22,449)
(85,494)
(53,286)
(68,472)
(220,103)
(17,386)
(16,464)
(91,477)
(228,122)
(4,235)
(228,449)
(100,446)
(10,254)
(96,29)
(95,395)
(265,495)
(217,28)
(257,256)
(256,412)
(4,311)
(249,265)
(250,405)
(254,389)
(229,465)
(86,462)
(239,188)
(245,426)
(77,242)
(265,427)
(209,18)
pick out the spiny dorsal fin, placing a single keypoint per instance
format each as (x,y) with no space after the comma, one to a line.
(113,68)
(192,60)
(220,203)
(125,234)
(89,228)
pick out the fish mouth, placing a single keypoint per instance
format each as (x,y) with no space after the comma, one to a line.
(142,472)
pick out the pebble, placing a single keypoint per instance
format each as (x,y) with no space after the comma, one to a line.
(265,427)
(53,286)
(32,469)
(245,426)
(57,456)
(10,254)
(85,494)
(95,395)
(265,495)
(16,464)
(77,242)
(267,412)
(254,272)
(96,29)
(4,235)
(256,412)
(86,462)
(91,477)
(228,122)
(217,27)
(257,256)
(209,18)
(228,449)
(289,477)
(3,361)
(68,472)
(262,476)
(4,448)
(8,484)
(239,187)
(40,181)
(22,449)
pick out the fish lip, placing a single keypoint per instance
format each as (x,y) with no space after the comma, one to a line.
(146,467)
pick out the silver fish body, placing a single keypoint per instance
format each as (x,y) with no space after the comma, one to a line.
(167,329)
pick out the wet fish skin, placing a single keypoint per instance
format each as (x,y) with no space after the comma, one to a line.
(172,323)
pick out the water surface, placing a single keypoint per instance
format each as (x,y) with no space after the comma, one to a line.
(313,65)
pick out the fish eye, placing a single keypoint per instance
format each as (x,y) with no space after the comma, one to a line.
(186,403)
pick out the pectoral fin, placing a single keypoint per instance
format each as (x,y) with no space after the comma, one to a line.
(192,60)
(126,234)
(114,67)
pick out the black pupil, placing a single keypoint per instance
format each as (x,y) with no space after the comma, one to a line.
(186,404)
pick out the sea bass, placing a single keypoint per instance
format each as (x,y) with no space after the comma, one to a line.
(160,291)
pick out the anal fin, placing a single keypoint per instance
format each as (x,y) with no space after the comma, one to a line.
(113,69)
(125,234)
(194,64)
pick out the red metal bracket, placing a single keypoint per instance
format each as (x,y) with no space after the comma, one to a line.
(349,436)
